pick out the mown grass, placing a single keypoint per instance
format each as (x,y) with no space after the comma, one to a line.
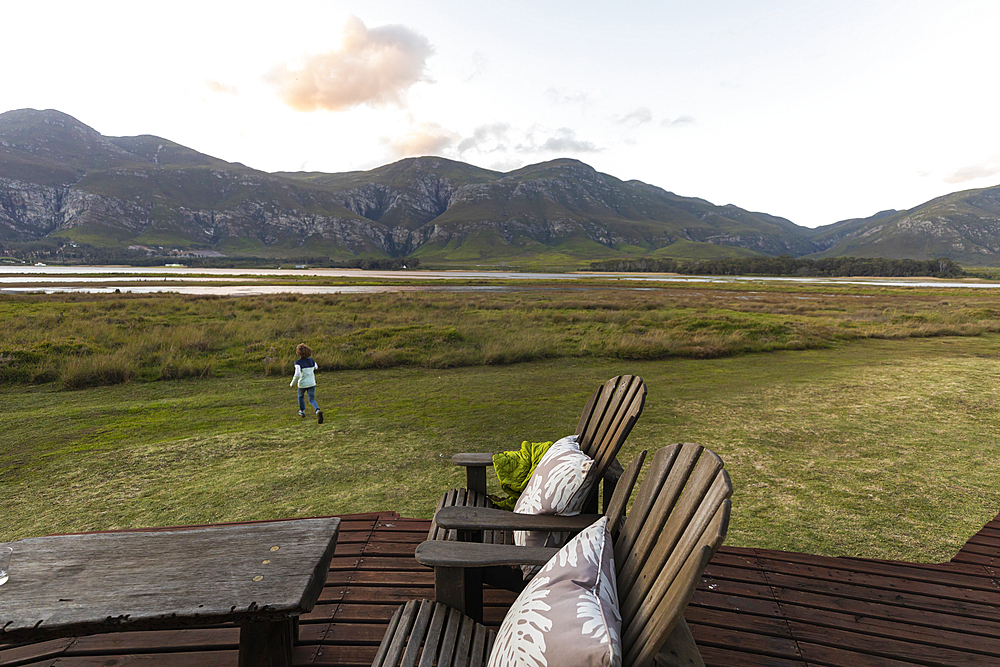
(84,341)
(878,448)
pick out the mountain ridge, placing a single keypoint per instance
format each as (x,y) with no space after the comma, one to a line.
(62,179)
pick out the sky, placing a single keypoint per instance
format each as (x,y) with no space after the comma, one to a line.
(812,110)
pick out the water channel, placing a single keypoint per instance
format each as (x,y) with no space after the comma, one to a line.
(26,279)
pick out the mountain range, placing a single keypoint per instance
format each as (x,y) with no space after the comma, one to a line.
(61,179)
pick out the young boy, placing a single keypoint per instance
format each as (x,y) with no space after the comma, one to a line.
(305,374)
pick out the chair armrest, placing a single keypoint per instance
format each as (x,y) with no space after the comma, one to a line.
(476,459)
(475,470)
(488,518)
(444,553)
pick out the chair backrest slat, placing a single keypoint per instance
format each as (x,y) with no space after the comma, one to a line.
(591,417)
(606,410)
(623,491)
(610,400)
(678,520)
(606,422)
(587,414)
(429,652)
(660,536)
(668,558)
(670,607)
(671,467)
(619,400)
(619,425)
(464,643)
(480,640)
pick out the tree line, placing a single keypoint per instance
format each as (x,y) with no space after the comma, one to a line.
(59,252)
(786,265)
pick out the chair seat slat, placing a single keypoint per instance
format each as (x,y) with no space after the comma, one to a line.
(463,644)
(435,631)
(478,654)
(419,630)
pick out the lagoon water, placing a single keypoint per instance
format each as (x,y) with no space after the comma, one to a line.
(24,279)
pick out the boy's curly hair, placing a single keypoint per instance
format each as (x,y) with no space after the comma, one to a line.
(303,350)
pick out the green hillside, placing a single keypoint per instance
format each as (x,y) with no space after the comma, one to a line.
(62,181)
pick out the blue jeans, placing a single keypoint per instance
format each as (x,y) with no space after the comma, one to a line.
(312,398)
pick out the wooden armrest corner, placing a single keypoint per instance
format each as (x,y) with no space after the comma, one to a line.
(443,553)
(489,518)
(472,460)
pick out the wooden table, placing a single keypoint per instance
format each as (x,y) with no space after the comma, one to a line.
(260,575)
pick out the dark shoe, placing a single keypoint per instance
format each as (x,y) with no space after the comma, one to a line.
(319,416)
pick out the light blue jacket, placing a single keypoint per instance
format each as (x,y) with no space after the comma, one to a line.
(305,370)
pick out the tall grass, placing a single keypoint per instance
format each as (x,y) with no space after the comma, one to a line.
(93,340)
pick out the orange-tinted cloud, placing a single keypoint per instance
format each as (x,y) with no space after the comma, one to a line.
(372,66)
(424,139)
(217,87)
(985,169)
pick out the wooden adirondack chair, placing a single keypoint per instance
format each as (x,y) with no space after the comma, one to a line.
(606,421)
(462,587)
(677,522)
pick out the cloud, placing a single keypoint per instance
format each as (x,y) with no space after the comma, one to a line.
(640,116)
(502,143)
(373,66)
(985,169)
(486,139)
(507,164)
(565,141)
(422,139)
(217,87)
(680,121)
(561,96)
(479,65)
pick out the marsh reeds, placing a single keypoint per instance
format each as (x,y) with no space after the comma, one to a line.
(93,340)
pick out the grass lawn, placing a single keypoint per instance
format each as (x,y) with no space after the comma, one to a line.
(874,448)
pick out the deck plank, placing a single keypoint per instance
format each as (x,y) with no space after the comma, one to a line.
(752,608)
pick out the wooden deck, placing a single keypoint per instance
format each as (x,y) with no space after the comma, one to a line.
(754,607)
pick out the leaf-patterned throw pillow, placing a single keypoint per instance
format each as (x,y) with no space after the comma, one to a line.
(568,614)
(556,487)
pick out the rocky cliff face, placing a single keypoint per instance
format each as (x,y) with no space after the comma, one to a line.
(29,209)
(212,206)
(61,178)
(963,226)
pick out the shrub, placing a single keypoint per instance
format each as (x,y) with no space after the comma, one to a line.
(190,369)
(98,370)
